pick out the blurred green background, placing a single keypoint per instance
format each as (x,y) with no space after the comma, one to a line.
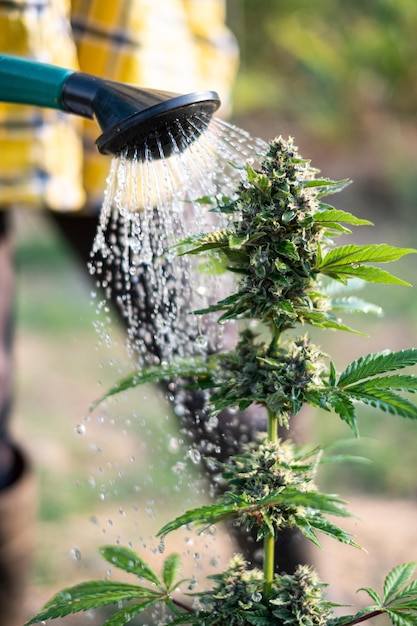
(341,78)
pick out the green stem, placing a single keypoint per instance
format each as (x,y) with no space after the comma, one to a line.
(269,541)
(276,334)
(272,430)
(272,427)
(269,564)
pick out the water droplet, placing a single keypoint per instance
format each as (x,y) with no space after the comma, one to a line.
(178,468)
(201,341)
(80,429)
(180,410)
(76,553)
(194,455)
(192,584)
(161,546)
(173,445)
(211,423)
(257,597)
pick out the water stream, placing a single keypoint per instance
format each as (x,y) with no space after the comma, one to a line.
(149,205)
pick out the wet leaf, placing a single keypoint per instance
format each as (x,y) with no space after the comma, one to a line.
(87,596)
(123,616)
(127,560)
(170,571)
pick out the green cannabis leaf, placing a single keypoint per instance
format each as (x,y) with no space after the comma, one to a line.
(127,560)
(90,595)
(362,382)
(93,594)
(399,600)
(351,261)
(193,367)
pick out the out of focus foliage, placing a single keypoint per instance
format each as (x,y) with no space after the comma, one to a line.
(334,65)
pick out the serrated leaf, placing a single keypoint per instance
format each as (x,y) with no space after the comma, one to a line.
(398,618)
(326,186)
(308,533)
(127,560)
(368,273)
(328,213)
(170,570)
(209,514)
(323,319)
(368,253)
(323,502)
(123,616)
(376,363)
(409,591)
(399,382)
(287,249)
(326,527)
(385,400)
(332,374)
(345,409)
(372,594)
(187,368)
(258,618)
(86,596)
(396,578)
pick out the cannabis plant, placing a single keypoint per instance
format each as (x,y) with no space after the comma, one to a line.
(279,243)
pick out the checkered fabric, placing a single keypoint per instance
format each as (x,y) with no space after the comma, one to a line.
(48,158)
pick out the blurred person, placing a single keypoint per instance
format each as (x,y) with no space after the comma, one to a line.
(49,162)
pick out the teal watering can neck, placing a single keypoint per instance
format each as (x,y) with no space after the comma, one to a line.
(23,81)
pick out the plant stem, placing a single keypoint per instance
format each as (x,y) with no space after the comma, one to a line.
(272,427)
(181,605)
(272,431)
(363,618)
(269,564)
(269,541)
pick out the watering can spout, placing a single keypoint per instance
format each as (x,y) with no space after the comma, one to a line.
(141,122)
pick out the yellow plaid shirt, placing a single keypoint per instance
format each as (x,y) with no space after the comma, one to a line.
(48,158)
